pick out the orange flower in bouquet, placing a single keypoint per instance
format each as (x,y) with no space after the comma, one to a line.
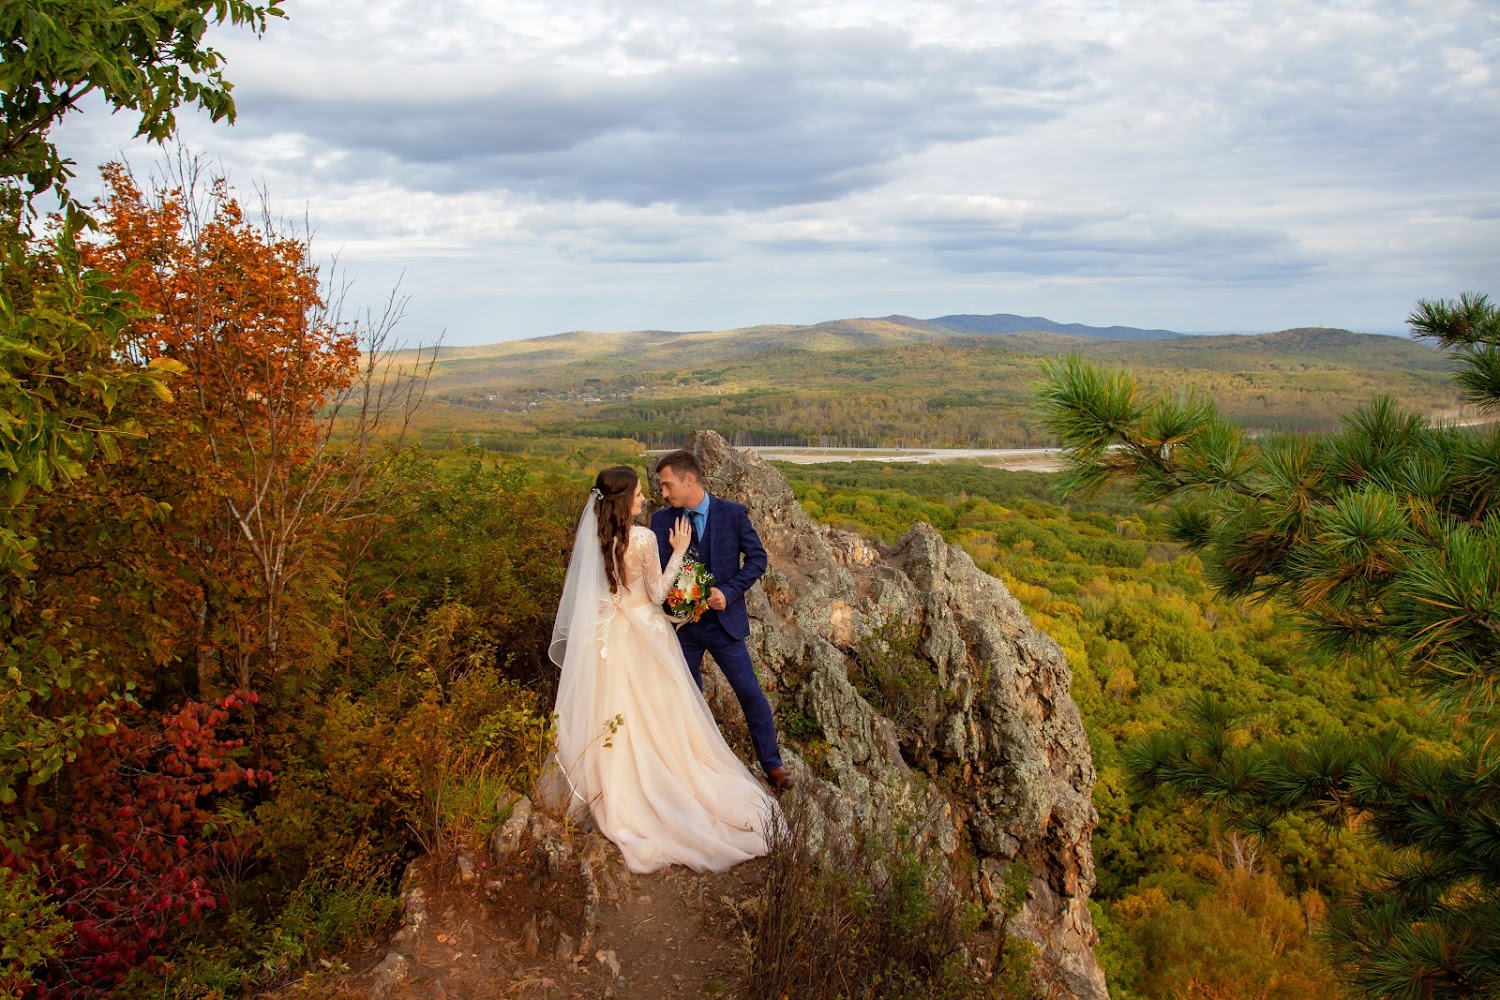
(687,598)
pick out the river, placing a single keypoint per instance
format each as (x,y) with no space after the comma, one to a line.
(1028,459)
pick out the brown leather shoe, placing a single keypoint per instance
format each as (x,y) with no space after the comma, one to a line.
(781,778)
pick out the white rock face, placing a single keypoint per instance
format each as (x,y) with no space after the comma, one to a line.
(993,769)
(506,839)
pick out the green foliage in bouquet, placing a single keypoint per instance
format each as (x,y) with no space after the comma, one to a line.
(687,600)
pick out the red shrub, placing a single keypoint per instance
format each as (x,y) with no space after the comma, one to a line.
(125,840)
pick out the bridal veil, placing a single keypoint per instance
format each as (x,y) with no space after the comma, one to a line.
(583,617)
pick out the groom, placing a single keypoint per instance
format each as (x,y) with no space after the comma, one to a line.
(728,545)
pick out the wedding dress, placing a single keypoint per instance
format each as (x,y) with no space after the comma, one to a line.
(637,746)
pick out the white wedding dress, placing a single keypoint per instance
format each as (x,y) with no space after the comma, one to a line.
(637,746)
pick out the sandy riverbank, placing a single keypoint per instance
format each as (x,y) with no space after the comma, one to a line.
(1029,459)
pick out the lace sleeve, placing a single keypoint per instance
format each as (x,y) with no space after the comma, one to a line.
(657,580)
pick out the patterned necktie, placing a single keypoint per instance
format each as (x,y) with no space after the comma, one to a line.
(692,549)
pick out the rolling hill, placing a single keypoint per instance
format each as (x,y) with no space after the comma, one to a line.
(650,348)
(893,381)
(1002,323)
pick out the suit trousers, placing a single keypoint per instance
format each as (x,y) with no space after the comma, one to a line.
(707,635)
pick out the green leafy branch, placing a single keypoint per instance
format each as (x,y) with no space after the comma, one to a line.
(147,56)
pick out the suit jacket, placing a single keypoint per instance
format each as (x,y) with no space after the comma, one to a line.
(730,549)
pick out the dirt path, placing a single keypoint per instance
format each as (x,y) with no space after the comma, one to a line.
(520,929)
(675,933)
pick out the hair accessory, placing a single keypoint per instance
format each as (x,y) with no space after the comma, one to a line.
(596,494)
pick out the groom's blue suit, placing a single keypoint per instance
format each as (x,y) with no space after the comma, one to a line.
(732,551)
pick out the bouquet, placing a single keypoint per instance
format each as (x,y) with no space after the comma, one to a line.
(688,597)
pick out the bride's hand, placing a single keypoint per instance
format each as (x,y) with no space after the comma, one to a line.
(681,536)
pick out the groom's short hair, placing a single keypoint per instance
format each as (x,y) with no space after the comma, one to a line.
(681,462)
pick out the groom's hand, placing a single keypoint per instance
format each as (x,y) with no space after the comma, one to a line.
(716,599)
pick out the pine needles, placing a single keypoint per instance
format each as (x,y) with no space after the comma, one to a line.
(1384,539)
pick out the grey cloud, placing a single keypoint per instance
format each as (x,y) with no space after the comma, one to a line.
(797,117)
(1240,156)
(1420,139)
(1080,245)
(673,240)
(1160,246)
(1405,96)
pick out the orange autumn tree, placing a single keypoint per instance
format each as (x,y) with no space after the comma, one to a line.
(197,574)
(246,457)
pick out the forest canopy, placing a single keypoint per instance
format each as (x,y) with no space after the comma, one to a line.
(1382,540)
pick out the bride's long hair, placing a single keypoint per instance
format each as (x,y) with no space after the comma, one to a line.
(616,488)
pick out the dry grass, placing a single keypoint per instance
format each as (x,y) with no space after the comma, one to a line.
(855,919)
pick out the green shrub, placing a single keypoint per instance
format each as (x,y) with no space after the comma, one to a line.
(30,931)
(894,677)
(855,920)
(343,903)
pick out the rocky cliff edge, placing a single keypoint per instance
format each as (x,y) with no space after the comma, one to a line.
(978,760)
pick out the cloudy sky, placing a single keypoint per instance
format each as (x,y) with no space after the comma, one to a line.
(1193,164)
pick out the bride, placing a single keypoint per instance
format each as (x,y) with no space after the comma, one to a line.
(636,743)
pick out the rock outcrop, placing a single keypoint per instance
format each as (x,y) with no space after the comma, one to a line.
(982,761)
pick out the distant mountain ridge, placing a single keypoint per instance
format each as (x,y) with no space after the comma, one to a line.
(998,323)
(651,350)
(1027,334)
(877,382)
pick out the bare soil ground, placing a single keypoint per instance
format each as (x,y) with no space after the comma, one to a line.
(520,928)
(512,933)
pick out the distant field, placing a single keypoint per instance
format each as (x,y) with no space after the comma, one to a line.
(878,384)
